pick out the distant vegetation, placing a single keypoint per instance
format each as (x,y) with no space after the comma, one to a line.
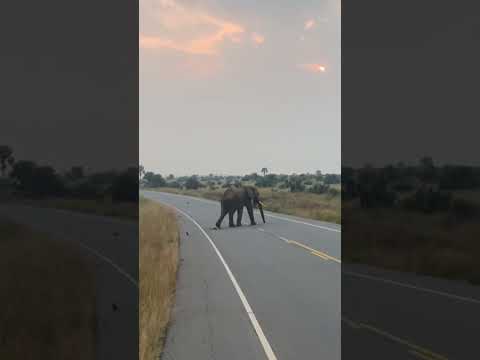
(113,193)
(315,196)
(317,183)
(421,218)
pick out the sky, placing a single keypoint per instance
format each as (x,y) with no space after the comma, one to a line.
(230,87)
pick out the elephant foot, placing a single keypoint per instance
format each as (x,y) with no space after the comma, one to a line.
(231,225)
(217,225)
(239,225)
(253,223)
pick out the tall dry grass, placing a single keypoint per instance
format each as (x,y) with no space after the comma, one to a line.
(158,260)
(436,244)
(47,298)
(102,207)
(312,206)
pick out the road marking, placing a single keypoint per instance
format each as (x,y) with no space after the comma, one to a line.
(414,349)
(436,292)
(107,260)
(319,255)
(315,252)
(303,223)
(261,336)
(404,342)
(350,323)
(421,356)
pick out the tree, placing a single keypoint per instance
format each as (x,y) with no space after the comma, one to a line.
(23,174)
(170,177)
(295,184)
(125,186)
(154,180)
(75,173)
(192,183)
(6,158)
(331,179)
(264,171)
(141,171)
(427,169)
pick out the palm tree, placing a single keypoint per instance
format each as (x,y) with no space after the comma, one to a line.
(264,171)
(6,158)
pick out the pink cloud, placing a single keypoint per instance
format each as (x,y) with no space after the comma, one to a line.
(258,39)
(314,68)
(189,30)
(309,24)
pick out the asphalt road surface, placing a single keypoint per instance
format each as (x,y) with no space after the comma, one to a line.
(270,291)
(111,247)
(279,291)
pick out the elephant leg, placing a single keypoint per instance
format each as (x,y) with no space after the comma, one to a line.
(250,214)
(239,216)
(220,219)
(230,218)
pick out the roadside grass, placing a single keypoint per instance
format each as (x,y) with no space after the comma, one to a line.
(436,245)
(104,207)
(307,205)
(47,297)
(159,236)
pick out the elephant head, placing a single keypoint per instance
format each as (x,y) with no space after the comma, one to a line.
(254,196)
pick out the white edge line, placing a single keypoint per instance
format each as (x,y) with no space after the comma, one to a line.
(267,213)
(436,292)
(304,223)
(261,336)
(110,262)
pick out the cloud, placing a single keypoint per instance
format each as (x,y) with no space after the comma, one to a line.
(314,68)
(188,30)
(309,24)
(258,39)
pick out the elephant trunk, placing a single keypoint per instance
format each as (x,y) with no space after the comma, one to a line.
(260,207)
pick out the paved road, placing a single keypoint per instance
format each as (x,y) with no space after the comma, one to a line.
(302,308)
(282,300)
(111,246)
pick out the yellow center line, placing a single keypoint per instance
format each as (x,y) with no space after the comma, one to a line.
(315,252)
(421,356)
(419,349)
(319,255)
(351,323)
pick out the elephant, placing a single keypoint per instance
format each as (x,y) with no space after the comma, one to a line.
(234,199)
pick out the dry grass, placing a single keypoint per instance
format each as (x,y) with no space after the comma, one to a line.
(158,267)
(436,245)
(307,205)
(102,207)
(47,297)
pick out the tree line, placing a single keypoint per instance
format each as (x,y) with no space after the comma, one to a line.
(318,183)
(422,187)
(29,179)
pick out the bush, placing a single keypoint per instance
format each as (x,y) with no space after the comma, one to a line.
(174,184)
(154,180)
(192,183)
(266,181)
(125,186)
(332,192)
(464,209)
(319,188)
(428,201)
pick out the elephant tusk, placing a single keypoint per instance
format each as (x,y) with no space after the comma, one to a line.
(261,203)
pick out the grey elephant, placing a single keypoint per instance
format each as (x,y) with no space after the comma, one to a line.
(234,199)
